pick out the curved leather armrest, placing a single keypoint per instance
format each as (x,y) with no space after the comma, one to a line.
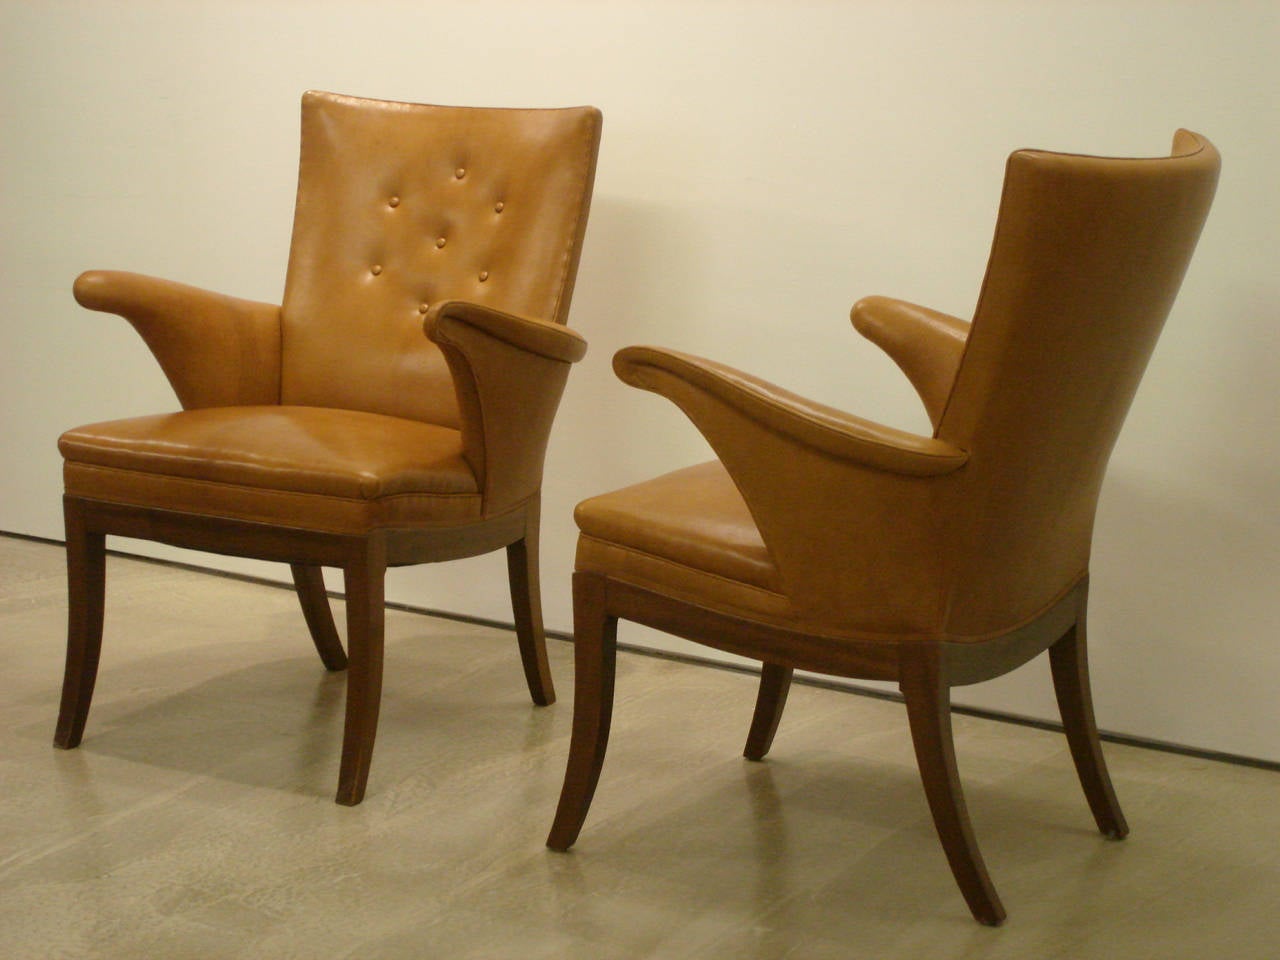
(849,510)
(509,373)
(215,350)
(824,428)
(925,344)
(541,337)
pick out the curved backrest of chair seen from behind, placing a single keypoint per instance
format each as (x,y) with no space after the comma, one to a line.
(1088,256)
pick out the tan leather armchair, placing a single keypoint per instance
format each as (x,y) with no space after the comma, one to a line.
(394,410)
(828,543)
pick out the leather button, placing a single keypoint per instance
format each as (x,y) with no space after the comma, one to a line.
(424,307)
(497,207)
(376,269)
(440,241)
(460,172)
(484,275)
(393,202)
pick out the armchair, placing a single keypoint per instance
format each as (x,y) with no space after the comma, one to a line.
(395,408)
(820,541)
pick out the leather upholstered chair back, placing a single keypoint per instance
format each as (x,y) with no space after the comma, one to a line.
(1088,256)
(404,205)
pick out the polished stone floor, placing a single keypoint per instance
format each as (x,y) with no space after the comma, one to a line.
(196,819)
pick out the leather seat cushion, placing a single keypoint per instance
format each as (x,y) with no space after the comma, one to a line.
(312,463)
(687,532)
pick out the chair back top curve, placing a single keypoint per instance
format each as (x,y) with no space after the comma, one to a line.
(404,205)
(1088,256)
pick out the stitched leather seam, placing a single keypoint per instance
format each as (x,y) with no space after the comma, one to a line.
(1025,621)
(575,237)
(218,484)
(684,566)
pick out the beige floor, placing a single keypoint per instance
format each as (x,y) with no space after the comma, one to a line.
(195,821)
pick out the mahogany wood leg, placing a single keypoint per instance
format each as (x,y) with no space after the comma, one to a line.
(86,588)
(526,605)
(1068,659)
(928,700)
(308,581)
(366,622)
(775,683)
(595,647)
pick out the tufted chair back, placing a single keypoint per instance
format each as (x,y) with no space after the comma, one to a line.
(1088,256)
(404,205)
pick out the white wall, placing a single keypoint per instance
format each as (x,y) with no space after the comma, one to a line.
(764,164)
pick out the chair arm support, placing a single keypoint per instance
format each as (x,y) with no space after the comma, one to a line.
(850,511)
(925,344)
(540,337)
(214,349)
(802,421)
(508,373)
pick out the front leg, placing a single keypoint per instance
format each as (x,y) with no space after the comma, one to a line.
(365,575)
(86,588)
(526,605)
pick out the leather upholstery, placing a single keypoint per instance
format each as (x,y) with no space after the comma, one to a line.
(475,205)
(377,424)
(394,410)
(216,350)
(506,418)
(822,542)
(926,345)
(1088,257)
(689,531)
(325,469)
(880,534)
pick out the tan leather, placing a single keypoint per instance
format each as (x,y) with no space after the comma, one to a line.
(325,452)
(267,505)
(697,508)
(925,344)
(508,373)
(1088,256)
(216,350)
(371,424)
(487,206)
(678,529)
(332,470)
(880,534)
(807,474)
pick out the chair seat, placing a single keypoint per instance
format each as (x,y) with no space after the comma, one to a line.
(687,532)
(319,467)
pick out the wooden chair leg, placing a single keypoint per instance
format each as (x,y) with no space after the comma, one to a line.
(86,588)
(308,581)
(928,702)
(775,683)
(526,605)
(1068,659)
(366,623)
(595,647)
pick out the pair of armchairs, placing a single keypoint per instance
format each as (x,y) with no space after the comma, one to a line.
(395,410)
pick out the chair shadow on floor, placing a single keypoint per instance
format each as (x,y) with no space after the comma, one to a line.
(277,724)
